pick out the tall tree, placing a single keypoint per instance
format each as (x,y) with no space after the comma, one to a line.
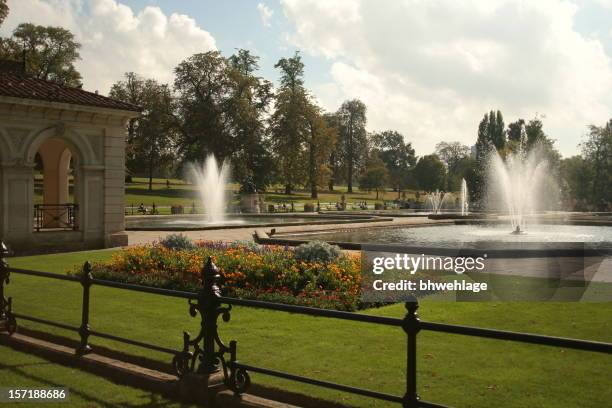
(577,182)
(451,153)
(333,122)
(289,122)
(491,131)
(430,173)
(247,104)
(50,52)
(353,138)
(455,155)
(597,149)
(534,131)
(320,143)
(375,174)
(4,9)
(150,136)
(201,82)
(397,155)
(515,131)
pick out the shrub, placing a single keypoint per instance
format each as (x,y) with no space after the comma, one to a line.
(177,242)
(309,207)
(264,272)
(379,206)
(245,244)
(317,251)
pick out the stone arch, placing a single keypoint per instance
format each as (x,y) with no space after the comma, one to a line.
(78,144)
(6,150)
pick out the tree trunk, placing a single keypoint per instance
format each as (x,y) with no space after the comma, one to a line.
(332,166)
(287,189)
(350,156)
(312,164)
(150,175)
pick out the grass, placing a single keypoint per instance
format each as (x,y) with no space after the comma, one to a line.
(453,370)
(182,193)
(22,370)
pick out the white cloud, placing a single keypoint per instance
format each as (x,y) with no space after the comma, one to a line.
(431,69)
(115,39)
(266,14)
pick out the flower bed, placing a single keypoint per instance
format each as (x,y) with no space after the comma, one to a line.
(249,271)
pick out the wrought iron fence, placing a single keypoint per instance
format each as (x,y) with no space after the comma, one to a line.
(206,353)
(56,216)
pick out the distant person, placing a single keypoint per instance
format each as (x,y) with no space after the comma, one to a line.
(167,184)
(142,209)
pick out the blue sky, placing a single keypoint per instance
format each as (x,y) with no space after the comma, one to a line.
(238,24)
(429,69)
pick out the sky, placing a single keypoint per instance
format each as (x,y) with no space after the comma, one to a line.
(429,69)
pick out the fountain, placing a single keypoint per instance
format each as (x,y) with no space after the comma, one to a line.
(517,182)
(465,205)
(211,180)
(435,199)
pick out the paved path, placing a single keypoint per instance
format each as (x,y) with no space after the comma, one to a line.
(233,234)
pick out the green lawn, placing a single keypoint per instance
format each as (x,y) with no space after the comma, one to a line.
(182,193)
(455,370)
(22,370)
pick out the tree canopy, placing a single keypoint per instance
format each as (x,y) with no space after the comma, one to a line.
(50,52)
(4,10)
(430,173)
(352,143)
(397,155)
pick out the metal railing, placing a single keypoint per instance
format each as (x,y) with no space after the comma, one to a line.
(56,216)
(206,353)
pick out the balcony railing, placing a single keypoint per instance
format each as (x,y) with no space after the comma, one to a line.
(56,217)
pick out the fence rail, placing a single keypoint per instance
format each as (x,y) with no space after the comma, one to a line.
(206,353)
(56,216)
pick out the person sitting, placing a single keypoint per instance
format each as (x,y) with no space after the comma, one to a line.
(142,209)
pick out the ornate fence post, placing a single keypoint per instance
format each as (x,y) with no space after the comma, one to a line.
(7,320)
(411,326)
(86,278)
(208,303)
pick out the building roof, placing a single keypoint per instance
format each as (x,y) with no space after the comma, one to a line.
(20,86)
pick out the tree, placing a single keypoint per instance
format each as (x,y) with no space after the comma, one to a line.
(597,150)
(202,84)
(289,123)
(515,131)
(4,9)
(50,52)
(333,122)
(451,153)
(320,143)
(150,136)
(397,155)
(375,175)
(248,101)
(353,138)
(577,178)
(534,131)
(491,131)
(430,173)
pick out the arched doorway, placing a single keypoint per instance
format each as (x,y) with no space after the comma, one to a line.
(55,186)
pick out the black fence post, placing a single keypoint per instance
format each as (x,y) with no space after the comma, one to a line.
(411,326)
(4,278)
(86,278)
(208,303)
